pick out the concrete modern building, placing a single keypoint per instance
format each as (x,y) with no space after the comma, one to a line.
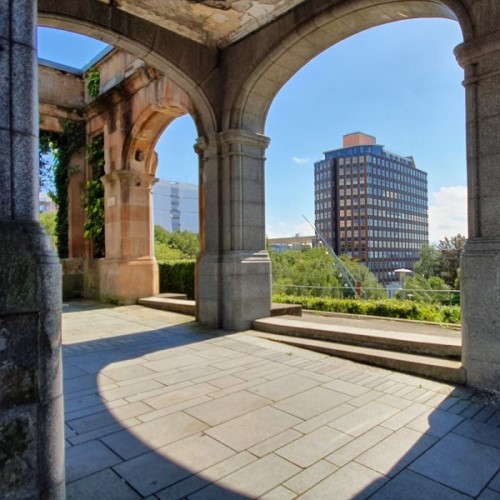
(223,62)
(371,204)
(175,206)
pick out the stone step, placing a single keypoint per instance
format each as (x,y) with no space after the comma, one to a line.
(170,302)
(285,309)
(178,302)
(427,366)
(408,342)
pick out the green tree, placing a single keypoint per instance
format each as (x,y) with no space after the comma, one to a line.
(62,146)
(176,245)
(450,249)
(48,221)
(315,267)
(419,288)
(45,169)
(430,261)
(370,286)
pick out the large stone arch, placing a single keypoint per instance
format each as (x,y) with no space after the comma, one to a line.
(187,63)
(301,41)
(294,39)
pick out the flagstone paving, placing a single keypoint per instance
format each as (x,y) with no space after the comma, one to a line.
(159,407)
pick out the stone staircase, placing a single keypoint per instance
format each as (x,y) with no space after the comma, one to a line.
(434,355)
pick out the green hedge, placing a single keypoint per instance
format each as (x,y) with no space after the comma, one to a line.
(388,308)
(177,277)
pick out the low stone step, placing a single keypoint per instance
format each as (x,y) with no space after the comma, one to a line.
(432,345)
(427,366)
(171,295)
(178,302)
(168,302)
(285,309)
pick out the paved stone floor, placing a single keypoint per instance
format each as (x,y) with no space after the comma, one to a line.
(159,407)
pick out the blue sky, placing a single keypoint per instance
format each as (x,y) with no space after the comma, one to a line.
(399,82)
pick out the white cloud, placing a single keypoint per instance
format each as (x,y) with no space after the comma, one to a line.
(447,213)
(299,160)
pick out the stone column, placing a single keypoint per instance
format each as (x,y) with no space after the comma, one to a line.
(234,270)
(31,416)
(480,262)
(129,271)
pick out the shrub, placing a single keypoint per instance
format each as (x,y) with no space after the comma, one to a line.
(177,276)
(387,308)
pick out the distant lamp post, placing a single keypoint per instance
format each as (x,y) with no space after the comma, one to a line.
(402,273)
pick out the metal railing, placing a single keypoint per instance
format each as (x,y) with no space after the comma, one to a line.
(448,297)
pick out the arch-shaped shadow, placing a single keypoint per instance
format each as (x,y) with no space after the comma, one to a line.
(100,419)
(179,429)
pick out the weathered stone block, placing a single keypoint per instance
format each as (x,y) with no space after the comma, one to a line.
(24,74)
(4,84)
(18,452)
(24,25)
(5,192)
(24,153)
(18,360)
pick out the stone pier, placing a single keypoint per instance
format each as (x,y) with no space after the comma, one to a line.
(31,416)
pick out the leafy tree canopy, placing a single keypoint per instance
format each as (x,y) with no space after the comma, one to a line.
(176,245)
(48,220)
(315,267)
(451,248)
(442,260)
(430,261)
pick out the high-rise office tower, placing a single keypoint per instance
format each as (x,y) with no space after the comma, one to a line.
(371,204)
(176,206)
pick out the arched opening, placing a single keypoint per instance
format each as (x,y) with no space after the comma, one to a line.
(175,198)
(400,83)
(128,110)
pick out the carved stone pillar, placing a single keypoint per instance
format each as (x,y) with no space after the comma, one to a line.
(480,262)
(129,271)
(31,410)
(234,271)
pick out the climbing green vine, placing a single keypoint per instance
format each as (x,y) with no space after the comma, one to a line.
(94,197)
(62,146)
(93,82)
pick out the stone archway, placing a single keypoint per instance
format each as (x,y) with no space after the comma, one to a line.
(129,270)
(478,55)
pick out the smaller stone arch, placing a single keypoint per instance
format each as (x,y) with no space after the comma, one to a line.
(166,102)
(131,116)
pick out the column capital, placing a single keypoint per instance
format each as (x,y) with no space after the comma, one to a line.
(235,141)
(140,179)
(479,57)
(244,137)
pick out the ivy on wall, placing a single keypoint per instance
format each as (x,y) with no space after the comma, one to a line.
(62,146)
(93,82)
(94,197)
